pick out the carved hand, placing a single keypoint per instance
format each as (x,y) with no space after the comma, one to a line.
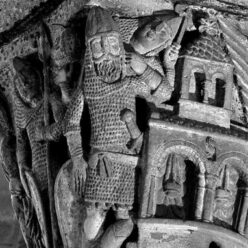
(59,76)
(136,63)
(40,132)
(171,56)
(79,174)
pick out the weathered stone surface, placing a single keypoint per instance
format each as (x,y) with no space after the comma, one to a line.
(13,11)
(169,234)
(138,110)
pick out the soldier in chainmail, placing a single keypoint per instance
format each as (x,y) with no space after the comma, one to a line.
(113,79)
(156,36)
(21,204)
(32,154)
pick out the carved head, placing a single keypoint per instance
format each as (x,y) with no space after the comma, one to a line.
(28,85)
(105,44)
(210,145)
(174,176)
(172,183)
(155,35)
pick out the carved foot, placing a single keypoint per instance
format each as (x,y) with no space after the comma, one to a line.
(116,234)
(93,222)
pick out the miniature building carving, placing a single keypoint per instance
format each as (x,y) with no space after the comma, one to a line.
(124,124)
(207,79)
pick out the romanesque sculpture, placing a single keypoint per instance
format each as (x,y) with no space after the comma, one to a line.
(28,96)
(20,203)
(156,36)
(173,189)
(225,196)
(28,115)
(112,80)
(177,177)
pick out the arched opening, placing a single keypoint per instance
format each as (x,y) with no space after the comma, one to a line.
(191,186)
(197,85)
(217,90)
(220,92)
(200,79)
(183,159)
(177,187)
(214,245)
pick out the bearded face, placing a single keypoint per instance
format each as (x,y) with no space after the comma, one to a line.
(107,59)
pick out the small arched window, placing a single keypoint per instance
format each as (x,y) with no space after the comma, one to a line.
(217,91)
(196,85)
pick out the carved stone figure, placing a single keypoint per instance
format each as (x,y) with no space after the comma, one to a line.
(225,196)
(32,155)
(155,36)
(109,91)
(153,147)
(11,171)
(172,189)
(21,203)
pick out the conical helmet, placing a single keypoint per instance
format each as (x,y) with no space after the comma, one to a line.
(99,22)
(156,34)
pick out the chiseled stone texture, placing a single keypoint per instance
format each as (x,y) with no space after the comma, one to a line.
(134,8)
(14,10)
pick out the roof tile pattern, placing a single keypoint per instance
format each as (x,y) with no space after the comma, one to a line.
(207,47)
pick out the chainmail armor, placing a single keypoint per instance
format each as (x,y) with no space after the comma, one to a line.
(7,147)
(108,133)
(116,189)
(28,119)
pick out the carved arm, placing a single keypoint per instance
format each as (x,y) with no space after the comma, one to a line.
(71,124)
(159,85)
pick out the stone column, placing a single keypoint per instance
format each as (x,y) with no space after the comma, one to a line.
(207,86)
(200,196)
(211,181)
(228,91)
(185,79)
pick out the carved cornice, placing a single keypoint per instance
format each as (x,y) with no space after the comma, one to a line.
(238,7)
(31,19)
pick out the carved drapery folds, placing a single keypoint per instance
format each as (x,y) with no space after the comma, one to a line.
(132,117)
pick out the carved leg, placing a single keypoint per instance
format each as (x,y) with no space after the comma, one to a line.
(94,220)
(117,233)
(69,209)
